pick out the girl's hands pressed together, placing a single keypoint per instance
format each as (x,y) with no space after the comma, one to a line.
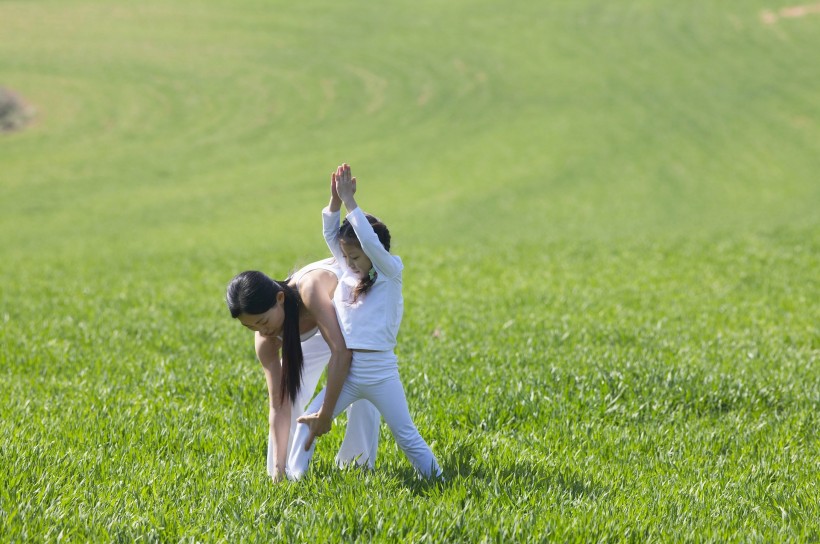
(344,185)
(335,200)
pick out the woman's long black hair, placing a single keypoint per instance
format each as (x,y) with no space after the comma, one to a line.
(252,292)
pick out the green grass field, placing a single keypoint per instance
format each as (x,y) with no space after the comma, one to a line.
(608,213)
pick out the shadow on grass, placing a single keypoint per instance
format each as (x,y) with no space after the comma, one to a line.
(515,479)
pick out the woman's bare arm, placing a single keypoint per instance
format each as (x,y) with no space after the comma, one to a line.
(316,290)
(279,413)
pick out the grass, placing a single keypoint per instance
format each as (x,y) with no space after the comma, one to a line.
(608,216)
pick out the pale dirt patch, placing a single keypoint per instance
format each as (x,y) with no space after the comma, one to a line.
(328,95)
(15,113)
(426,94)
(770,17)
(470,79)
(375,87)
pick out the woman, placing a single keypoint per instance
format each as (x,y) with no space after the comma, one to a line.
(297,334)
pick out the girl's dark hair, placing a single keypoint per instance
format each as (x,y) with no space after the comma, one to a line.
(348,236)
(252,292)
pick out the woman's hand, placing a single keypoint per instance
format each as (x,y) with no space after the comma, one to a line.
(279,413)
(278,476)
(318,425)
(345,186)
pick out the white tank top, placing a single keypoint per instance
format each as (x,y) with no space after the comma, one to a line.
(328,264)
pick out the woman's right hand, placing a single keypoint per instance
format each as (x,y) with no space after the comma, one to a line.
(318,424)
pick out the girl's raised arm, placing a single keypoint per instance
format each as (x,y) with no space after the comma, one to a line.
(330,223)
(345,187)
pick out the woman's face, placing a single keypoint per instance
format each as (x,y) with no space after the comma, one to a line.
(268,324)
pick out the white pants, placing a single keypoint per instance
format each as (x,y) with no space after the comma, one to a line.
(373,376)
(361,439)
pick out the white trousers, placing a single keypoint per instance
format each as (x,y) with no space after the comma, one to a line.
(373,376)
(361,439)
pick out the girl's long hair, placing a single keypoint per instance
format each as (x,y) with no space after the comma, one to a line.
(348,236)
(252,292)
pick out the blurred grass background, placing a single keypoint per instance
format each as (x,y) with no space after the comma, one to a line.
(608,213)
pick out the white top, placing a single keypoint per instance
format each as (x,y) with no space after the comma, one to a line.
(331,265)
(372,322)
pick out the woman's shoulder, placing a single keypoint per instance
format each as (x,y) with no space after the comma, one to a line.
(316,280)
(327,265)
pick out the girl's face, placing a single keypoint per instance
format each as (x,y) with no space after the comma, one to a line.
(356,259)
(268,324)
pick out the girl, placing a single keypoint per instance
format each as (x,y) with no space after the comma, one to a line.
(297,334)
(369,306)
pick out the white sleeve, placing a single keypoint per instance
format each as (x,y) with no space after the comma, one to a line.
(382,260)
(330,227)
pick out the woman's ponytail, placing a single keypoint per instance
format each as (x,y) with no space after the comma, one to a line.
(292,358)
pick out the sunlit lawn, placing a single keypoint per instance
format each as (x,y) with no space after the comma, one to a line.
(608,217)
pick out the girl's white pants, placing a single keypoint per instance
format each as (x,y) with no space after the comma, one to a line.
(373,376)
(361,439)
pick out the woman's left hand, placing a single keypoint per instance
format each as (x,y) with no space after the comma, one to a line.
(317,424)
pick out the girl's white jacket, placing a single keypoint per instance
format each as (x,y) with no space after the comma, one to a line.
(372,322)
